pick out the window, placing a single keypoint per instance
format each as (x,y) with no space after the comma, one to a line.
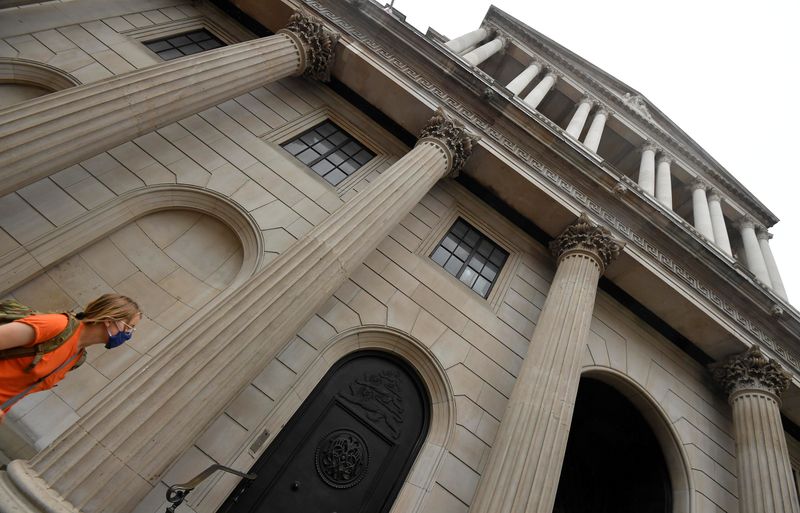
(329,151)
(184,44)
(470,256)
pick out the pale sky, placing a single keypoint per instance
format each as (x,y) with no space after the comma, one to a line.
(726,72)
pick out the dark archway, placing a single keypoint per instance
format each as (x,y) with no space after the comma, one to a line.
(613,462)
(349,446)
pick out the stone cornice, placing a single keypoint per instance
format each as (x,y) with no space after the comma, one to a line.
(524,156)
(632,105)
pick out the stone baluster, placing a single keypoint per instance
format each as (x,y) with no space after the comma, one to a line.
(522,80)
(114,456)
(647,169)
(754,384)
(718,222)
(700,211)
(578,120)
(769,259)
(535,97)
(485,51)
(595,133)
(523,470)
(664,180)
(468,40)
(44,135)
(752,251)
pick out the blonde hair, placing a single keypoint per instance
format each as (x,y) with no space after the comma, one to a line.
(109,307)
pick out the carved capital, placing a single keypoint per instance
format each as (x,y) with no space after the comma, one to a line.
(317,45)
(603,111)
(714,195)
(587,99)
(746,222)
(751,370)
(649,146)
(664,158)
(583,236)
(762,233)
(699,183)
(452,134)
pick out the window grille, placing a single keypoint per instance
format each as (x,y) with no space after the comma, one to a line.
(173,47)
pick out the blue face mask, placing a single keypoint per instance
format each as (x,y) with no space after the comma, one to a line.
(117,340)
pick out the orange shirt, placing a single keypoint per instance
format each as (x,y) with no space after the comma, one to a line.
(13,376)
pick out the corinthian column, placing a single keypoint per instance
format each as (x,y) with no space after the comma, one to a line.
(47,134)
(525,463)
(113,457)
(754,384)
(772,267)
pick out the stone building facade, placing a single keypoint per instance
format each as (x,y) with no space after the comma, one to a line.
(488,238)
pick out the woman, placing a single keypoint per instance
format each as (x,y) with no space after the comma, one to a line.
(110,319)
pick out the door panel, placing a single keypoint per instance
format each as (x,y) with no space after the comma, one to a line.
(349,446)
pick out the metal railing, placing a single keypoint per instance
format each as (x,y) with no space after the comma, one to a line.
(178,492)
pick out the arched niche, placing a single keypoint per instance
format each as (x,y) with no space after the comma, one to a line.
(674,456)
(23,79)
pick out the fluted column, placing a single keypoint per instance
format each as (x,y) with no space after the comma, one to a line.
(700,211)
(647,169)
(664,181)
(578,120)
(485,51)
(117,452)
(595,133)
(468,40)
(772,267)
(754,384)
(525,461)
(522,80)
(47,134)
(535,97)
(752,251)
(718,222)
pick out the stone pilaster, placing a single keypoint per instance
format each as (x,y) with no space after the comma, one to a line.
(47,134)
(754,384)
(525,462)
(578,120)
(595,133)
(113,457)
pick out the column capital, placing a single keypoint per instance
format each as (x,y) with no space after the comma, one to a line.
(584,236)
(751,370)
(451,134)
(650,146)
(665,157)
(317,45)
(746,222)
(762,233)
(714,195)
(552,72)
(602,110)
(587,99)
(699,183)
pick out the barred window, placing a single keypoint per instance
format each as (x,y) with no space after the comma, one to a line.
(173,47)
(329,151)
(470,256)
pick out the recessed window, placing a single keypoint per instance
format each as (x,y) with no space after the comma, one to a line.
(184,44)
(329,151)
(471,257)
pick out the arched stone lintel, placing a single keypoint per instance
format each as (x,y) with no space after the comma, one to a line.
(676,457)
(32,259)
(399,343)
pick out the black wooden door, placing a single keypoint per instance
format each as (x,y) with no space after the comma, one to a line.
(348,448)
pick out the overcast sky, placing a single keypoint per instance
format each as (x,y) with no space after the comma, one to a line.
(726,72)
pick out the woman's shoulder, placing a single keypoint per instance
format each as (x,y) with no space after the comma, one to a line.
(46,326)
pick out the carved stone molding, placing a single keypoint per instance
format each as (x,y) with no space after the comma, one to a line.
(699,183)
(762,233)
(452,134)
(664,157)
(649,146)
(319,44)
(667,263)
(583,236)
(714,195)
(751,370)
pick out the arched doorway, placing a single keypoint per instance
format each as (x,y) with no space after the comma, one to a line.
(348,447)
(614,462)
